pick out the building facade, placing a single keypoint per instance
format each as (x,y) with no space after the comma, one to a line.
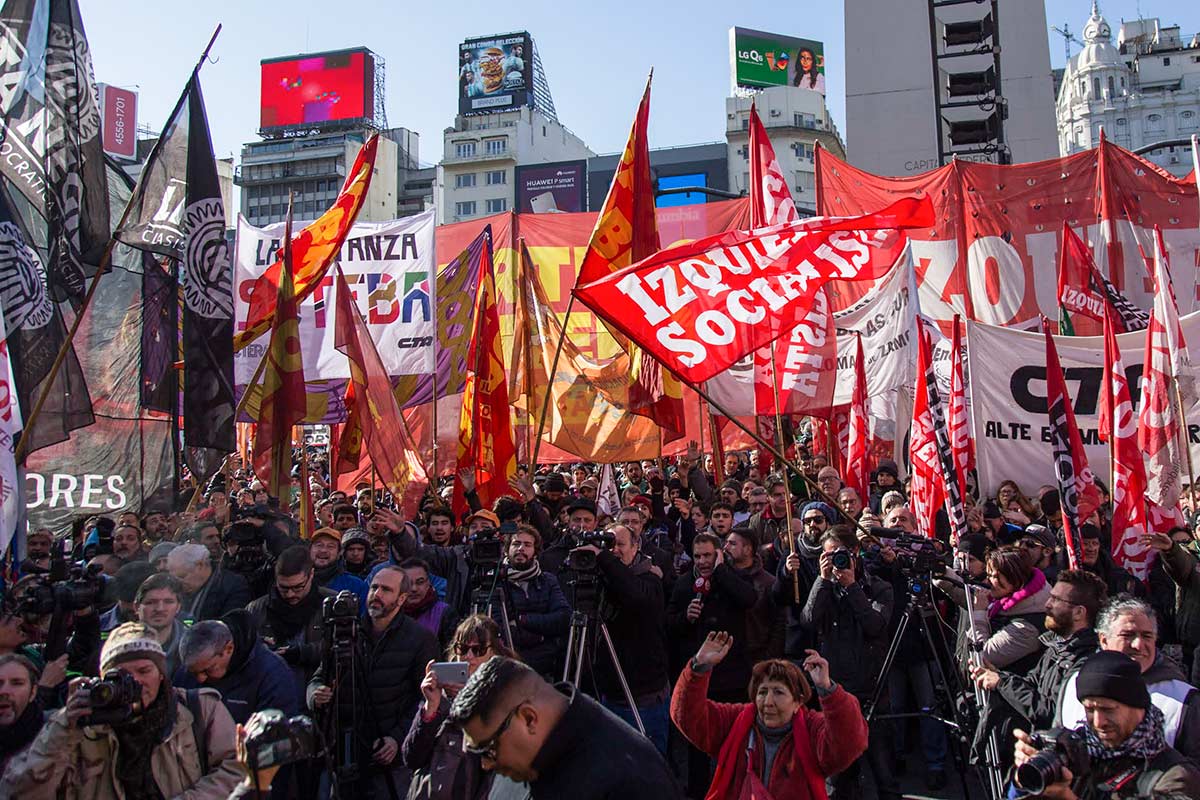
(796,120)
(686,166)
(1142,90)
(477,175)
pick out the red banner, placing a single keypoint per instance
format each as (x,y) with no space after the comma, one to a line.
(856,474)
(700,307)
(958,419)
(991,254)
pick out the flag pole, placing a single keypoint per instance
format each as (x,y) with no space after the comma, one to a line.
(537,441)
(1187,443)
(105,260)
(791,535)
(437,340)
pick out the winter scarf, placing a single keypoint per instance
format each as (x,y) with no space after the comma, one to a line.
(735,744)
(136,740)
(1028,590)
(525,575)
(288,620)
(418,608)
(24,729)
(772,739)
(1143,744)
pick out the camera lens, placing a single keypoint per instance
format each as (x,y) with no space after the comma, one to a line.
(1039,772)
(101,693)
(841,559)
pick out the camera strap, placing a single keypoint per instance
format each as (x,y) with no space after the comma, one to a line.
(192,698)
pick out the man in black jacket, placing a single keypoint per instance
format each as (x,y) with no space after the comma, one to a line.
(288,617)
(392,653)
(208,593)
(634,596)
(555,738)
(537,609)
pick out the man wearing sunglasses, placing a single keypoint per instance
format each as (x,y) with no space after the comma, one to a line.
(555,738)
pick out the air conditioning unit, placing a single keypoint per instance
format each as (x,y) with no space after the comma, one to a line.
(775,112)
(1174,159)
(799,190)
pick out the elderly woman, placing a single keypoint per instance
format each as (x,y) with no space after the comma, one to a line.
(433,751)
(774,746)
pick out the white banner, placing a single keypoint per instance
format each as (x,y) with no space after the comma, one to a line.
(1008,390)
(390,269)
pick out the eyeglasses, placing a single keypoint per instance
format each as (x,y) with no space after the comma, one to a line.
(475,650)
(490,749)
(296,589)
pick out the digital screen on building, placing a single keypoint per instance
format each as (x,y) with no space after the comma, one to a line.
(495,73)
(312,89)
(760,59)
(547,188)
(681,198)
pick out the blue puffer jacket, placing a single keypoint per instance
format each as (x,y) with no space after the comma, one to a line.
(256,679)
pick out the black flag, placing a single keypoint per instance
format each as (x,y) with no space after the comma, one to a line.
(50,136)
(177,211)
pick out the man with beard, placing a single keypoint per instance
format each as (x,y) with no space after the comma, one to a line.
(356,553)
(174,744)
(157,604)
(324,548)
(288,617)
(422,603)
(634,477)
(1071,612)
(393,652)
(37,552)
(127,544)
(537,609)
(155,527)
(770,525)
(1100,563)
(21,714)
(764,624)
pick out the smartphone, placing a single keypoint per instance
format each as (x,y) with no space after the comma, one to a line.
(451,673)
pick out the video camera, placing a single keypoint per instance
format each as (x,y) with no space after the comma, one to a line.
(59,593)
(113,698)
(251,540)
(915,555)
(1057,748)
(339,618)
(584,561)
(273,740)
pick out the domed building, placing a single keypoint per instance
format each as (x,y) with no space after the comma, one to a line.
(1142,90)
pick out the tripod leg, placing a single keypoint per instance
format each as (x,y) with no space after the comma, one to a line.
(581,652)
(570,650)
(893,649)
(612,651)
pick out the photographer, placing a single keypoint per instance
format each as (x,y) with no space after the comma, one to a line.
(246,553)
(581,518)
(390,654)
(555,737)
(150,741)
(1007,631)
(849,611)
(21,714)
(537,609)
(208,593)
(1119,753)
(289,617)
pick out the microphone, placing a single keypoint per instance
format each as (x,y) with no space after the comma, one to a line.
(701,586)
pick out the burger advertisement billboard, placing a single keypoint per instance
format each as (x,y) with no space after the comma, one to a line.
(547,188)
(314,90)
(495,73)
(760,59)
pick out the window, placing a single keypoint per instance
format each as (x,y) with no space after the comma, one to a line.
(497,206)
(805,181)
(1187,119)
(1095,87)
(1082,87)
(497,177)
(464,149)
(745,123)
(465,209)
(1166,62)
(1154,123)
(1121,122)
(464,181)
(804,121)
(804,152)
(494,147)
(1112,90)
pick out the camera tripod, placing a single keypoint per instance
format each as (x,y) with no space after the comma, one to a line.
(585,622)
(945,684)
(483,600)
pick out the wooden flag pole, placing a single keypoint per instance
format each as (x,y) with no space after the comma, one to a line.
(541,426)
(791,535)
(1187,444)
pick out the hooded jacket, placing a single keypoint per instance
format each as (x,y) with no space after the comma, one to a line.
(256,677)
(1035,696)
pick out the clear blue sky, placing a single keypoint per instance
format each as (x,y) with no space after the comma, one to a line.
(596,54)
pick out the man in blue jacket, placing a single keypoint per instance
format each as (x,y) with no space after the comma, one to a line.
(325,550)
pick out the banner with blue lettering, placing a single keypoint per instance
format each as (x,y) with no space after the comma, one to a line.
(390,268)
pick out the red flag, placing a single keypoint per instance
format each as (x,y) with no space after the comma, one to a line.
(1118,425)
(314,248)
(701,306)
(1084,294)
(927,492)
(857,474)
(626,232)
(485,440)
(1076,489)
(957,417)
(383,428)
(283,397)
(350,437)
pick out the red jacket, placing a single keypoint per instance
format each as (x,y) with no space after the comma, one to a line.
(823,742)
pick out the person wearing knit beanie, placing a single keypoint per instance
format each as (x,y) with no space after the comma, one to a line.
(1114,676)
(132,641)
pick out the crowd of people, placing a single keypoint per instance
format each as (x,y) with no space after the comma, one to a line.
(765,636)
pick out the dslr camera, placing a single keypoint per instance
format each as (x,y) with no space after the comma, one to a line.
(113,698)
(273,740)
(1057,748)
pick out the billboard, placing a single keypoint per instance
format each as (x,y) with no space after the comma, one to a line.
(495,73)
(759,60)
(313,89)
(118,120)
(549,188)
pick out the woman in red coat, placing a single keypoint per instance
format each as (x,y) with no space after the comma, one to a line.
(773,748)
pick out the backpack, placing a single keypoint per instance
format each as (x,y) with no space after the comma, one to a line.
(192,699)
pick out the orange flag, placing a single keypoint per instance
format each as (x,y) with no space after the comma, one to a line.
(283,399)
(485,440)
(381,425)
(626,232)
(313,250)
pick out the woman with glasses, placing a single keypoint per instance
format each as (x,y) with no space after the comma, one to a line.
(434,750)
